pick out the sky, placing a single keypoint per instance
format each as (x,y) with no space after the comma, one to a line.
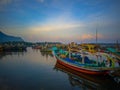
(61,20)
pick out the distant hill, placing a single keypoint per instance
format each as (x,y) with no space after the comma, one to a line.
(8,38)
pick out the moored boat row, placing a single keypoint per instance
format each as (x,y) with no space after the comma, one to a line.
(97,63)
(9,47)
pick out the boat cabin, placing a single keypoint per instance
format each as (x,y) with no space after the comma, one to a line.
(90,47)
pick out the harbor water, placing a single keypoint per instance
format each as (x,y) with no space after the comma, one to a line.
(36,70)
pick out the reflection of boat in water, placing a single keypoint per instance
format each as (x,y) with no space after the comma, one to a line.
(1,48)
(116,76)
(46,54)
(3,54)
(87,82)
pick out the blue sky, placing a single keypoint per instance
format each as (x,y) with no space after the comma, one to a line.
(61,20)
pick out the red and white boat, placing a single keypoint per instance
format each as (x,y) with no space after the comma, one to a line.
(79,66)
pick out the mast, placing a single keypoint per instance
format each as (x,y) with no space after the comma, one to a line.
(97,39)
(69,54)
(117,45)
(96,36)
(97,45)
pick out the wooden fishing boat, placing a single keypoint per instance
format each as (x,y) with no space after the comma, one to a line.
(80,66)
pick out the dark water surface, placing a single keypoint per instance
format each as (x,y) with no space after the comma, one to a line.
(35,70)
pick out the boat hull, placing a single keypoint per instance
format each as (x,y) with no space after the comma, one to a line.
(81,69)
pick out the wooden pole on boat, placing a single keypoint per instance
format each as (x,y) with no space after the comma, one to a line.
(96,40)
(83,57)
(69,52)
(96,36)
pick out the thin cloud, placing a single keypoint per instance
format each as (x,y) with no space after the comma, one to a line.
(4,5)
(5,2)
(64,21)
(91,36)
(56,27)
(41,1)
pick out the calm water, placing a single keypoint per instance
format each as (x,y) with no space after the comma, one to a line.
(33,70)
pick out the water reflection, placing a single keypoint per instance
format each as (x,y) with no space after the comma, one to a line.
(26,71)
(33,70)
(3,54)
(18,53)
(46,54)
(87,82)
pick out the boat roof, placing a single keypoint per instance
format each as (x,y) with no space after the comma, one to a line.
(112,50)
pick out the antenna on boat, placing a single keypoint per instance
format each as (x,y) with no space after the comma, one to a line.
(96,36)
(97,31)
